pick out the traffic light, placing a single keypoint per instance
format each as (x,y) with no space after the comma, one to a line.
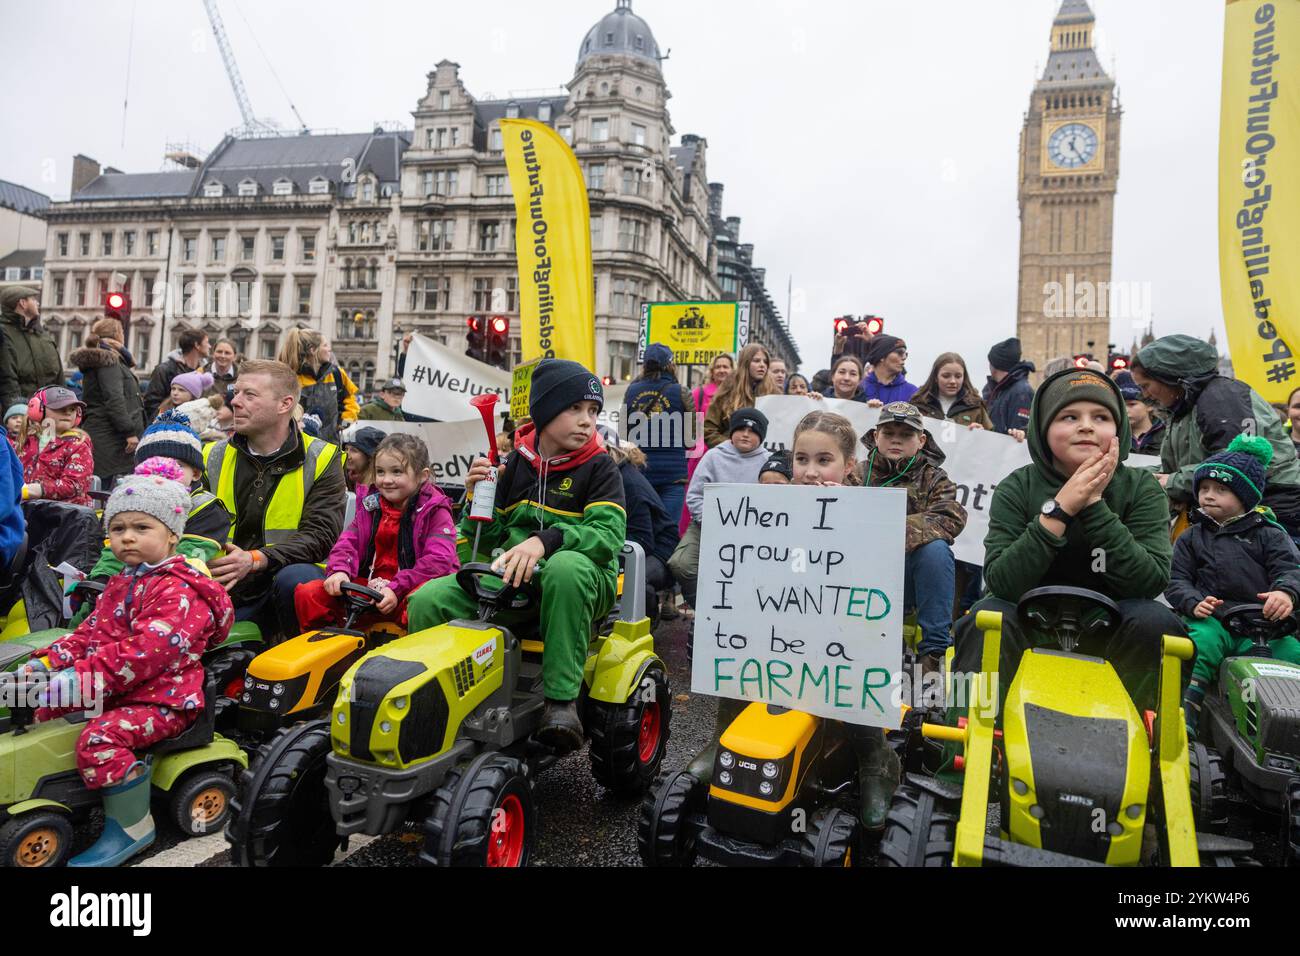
(117,305)
(875,325)
(499,342)
(843,325)
(1119,363)
(477,338)
(1081,361)
(608,380)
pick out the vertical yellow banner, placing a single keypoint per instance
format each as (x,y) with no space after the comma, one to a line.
(1259,192)
(557,301)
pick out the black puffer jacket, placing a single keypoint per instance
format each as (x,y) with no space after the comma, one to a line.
(114,409)
(1234,562)
(1009,400)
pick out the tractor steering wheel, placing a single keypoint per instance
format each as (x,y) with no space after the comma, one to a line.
(356,594)
(525,597)
(1248,621)
(1068,614)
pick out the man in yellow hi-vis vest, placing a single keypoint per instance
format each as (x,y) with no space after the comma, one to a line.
(286,496)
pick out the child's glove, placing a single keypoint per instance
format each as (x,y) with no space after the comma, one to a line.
(60,690)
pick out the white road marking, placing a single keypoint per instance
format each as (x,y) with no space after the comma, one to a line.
(202,850)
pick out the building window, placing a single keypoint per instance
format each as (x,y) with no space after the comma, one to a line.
(189,248)
(83,244)
(455,136)
(600,130)
(273,298)
(218,249)
(277,248)
(622,361)
(268,347)
(81,293)
(444,100)
(247,248)
(105,243)
(58,292)
(488,234)
(75,337)
(483,295)
(282,187)
(566,134)
(318,187)
(247,188)
(428,138)
(128,243)
(308,244)
(512,293)
(631,181)
(151,242)
(446,182)
(304,298)
(426,182)
(628,296)
(631,235)
(244,293)
(103,291)
(62,240)
(434,235)
(440,140)
(214,298)
(596,176)
(143,341)
(496,142)
(544,112)
(496,185)
(368,191)
(597,232)
(638,134)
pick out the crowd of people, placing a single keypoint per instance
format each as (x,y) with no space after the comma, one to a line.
(239,464)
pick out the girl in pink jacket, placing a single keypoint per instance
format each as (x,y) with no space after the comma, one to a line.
(403,535)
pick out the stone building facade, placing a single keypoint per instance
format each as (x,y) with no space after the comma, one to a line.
(1069,175)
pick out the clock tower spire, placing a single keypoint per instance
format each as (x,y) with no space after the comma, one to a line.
(1069,175)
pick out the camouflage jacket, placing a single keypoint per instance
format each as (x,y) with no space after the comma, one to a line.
(933,513)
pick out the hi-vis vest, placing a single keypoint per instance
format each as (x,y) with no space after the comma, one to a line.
(284,511)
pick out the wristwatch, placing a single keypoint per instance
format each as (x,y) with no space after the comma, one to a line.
(1053,509)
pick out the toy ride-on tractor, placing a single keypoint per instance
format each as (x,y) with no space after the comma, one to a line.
(437,728)
(1252,718)
(1081,776)
(784,792)
(298,680)
(42,794)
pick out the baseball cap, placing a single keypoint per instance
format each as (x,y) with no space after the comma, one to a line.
(58,397)
(904,413)
(392,385)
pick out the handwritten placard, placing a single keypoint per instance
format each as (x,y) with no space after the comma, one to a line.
(800,599)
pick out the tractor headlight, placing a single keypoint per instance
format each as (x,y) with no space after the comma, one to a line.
(246,698)
(726,759)
(765,788)
(274,704)
(724,778)
(248,681)
(385,727)
(277,690)
(770,770)
(343,718)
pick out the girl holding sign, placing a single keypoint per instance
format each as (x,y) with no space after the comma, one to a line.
(825,454)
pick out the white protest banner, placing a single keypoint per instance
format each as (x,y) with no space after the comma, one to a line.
(800,599)
(975,460)
(440,382)
(453,446)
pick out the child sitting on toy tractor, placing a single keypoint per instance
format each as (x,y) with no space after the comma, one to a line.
(559,516)
(140,654)
(1077,517)
(1235,553)
(402,537)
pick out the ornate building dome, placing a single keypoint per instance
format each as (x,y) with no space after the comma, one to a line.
(621,32)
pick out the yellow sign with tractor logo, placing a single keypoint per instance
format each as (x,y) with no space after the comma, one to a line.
(697,332)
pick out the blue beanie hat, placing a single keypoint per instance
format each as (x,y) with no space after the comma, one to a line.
(1242,467)
(170,436)
(557,384)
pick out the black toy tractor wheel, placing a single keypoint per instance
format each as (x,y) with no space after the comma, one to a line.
(1291,825)
(1209,789)
(281,813)
(43,838)
(629,740)
(665,836)
(228,669)
(918,832)
(833,839)
(200,802)
(483,816)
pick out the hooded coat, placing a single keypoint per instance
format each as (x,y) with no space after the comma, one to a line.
(1118,546)
(1009,400)
(29,359)
(1235,561)
(114,408)
(968,409)
(1212,412)
(933,513)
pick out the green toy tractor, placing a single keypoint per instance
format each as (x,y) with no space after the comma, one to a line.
(1252,718)
(437,728)
(42,794)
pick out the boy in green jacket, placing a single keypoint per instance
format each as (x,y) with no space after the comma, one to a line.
(560,516)
(1077,517)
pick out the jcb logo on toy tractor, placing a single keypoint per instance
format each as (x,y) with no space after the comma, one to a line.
(746,765)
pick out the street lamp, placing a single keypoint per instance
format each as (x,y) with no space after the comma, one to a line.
(398,333)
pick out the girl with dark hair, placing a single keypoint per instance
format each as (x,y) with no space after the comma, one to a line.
(949,395)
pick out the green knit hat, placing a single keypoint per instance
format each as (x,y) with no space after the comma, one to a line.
(1083,385)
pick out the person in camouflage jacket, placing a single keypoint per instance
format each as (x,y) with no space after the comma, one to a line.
(902,454)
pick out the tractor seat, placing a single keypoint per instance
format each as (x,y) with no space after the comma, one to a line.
(199,733)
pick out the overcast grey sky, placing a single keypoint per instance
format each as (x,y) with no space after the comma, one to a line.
(869,147)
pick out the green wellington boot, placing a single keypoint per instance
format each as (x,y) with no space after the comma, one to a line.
(701,767)
(128,825)
(879,772)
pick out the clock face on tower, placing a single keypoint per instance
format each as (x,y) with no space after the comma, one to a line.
(1072,146)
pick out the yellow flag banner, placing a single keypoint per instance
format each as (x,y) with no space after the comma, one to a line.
(557,301)
(1259,193)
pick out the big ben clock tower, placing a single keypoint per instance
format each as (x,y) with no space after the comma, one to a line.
(1069,174)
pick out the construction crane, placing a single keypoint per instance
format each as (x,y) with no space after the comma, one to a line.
(252,125)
